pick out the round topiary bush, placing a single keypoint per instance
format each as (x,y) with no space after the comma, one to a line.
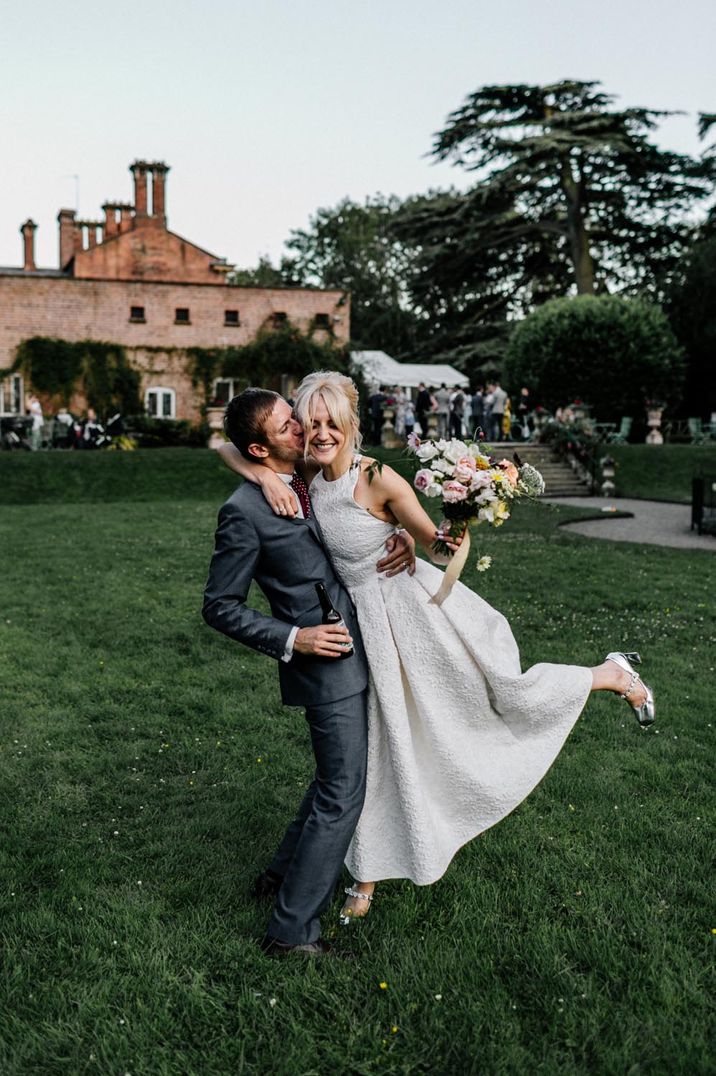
(612,353)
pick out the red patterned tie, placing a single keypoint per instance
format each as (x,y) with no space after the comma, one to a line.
(301,490)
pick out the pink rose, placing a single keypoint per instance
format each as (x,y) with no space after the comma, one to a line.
(454,491)
(423,479)
(465,468)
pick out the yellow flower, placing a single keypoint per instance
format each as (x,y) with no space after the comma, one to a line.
(383,986)
(394,1029)
(482,463)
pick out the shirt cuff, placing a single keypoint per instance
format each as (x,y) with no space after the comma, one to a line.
(288,649)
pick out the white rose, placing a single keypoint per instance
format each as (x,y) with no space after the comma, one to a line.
(426,451)
(433,490)
(443,466)
(455,450)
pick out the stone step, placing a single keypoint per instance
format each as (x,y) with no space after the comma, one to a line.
(560,480)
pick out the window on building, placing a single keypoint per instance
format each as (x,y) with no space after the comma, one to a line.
(11,395)
(224,389)
(136,313)
(322,321)
(280,319)
(160,403)
(231,317)
(181,315)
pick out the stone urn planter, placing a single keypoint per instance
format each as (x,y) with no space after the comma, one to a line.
(653,421)
(215,418)
(388,436)
(608,466)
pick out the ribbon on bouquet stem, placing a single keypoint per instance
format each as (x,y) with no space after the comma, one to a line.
(453,570)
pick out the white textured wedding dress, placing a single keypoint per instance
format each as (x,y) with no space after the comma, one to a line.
(458,735)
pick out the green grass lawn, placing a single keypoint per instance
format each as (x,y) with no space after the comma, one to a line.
(660,472)
(148,769)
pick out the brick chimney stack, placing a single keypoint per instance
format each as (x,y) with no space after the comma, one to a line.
(139,171)
(111,224)
(28,236)
(125,216)
(159,178)
(66,218)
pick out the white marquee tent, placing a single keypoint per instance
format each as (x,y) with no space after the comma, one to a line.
(379,369)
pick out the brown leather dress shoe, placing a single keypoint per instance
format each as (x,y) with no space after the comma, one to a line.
(274,947)
(266,886)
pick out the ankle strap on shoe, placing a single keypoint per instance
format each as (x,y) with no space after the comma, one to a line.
(632,684)
(351,892)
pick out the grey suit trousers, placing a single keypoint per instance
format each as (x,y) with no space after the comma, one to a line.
(314,846)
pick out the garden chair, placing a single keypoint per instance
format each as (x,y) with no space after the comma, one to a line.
(696,431)
(620,436)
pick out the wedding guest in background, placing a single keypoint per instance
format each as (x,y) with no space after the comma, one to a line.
(62,436)
(442,397)
(499,397)
(487,409)
(524,409)
(38,421)
(476,410)
(457,412)
(422,406)
(507,421)
(400,399)
(409,419)
(376,403)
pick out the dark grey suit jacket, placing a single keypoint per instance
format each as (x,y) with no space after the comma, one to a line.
(287,558)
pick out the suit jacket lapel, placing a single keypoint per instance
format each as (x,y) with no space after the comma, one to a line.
(311,523)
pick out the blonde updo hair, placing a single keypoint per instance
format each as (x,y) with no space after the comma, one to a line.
(340,397)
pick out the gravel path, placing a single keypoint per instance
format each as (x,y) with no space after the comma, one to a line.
(653,522)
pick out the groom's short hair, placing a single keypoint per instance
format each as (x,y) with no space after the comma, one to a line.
(246,416)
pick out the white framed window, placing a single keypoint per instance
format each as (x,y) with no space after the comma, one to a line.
(160,403)
(11,395)
(225,388)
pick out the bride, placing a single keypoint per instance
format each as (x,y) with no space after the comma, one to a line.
(458,735)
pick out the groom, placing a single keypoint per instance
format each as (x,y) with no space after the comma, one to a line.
(286,557)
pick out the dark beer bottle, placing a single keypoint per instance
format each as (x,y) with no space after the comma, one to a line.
(332,616)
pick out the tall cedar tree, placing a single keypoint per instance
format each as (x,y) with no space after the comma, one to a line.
(571,195)
(691,306)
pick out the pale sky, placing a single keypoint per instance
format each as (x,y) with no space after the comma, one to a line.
(267,110)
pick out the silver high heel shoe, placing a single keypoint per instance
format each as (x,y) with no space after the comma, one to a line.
(346,917)
(645,713)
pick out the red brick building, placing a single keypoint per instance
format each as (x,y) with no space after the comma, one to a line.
(129,280)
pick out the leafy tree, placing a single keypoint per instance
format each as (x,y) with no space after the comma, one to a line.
(692,312)
(559,164)
(276,352)
(465,291)
(265,275)
(353,248)
(611,352)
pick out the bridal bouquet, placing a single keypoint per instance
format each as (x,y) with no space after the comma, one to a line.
(473,485)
